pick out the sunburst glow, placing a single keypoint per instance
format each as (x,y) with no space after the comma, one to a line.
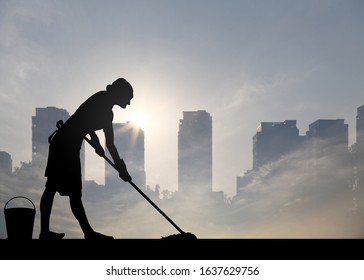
(139,119)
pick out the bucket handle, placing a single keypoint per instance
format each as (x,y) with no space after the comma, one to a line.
(20,197)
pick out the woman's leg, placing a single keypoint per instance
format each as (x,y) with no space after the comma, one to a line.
(46,203)
(79,212)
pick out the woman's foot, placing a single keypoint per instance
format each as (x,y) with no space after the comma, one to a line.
(97,235)
(50,235)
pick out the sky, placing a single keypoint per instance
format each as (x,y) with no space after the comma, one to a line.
(244,62)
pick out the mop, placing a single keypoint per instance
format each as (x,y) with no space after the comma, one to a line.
(182,235)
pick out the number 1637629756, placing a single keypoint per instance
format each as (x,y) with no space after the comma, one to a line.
(232,270)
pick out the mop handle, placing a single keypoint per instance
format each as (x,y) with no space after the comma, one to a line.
(140,191)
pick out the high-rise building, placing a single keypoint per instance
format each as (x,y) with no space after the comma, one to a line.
(6,163)
(359,156)
(195,152)
(129,141)
(273,140)
(328,137)
(43,125)
(330,165)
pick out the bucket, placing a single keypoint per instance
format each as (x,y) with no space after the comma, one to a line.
(19,220)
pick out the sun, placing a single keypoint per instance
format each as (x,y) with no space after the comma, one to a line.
(139,119)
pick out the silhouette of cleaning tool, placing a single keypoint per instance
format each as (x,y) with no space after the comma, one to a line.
(182,234)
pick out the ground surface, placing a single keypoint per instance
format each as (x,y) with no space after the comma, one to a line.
(206,249)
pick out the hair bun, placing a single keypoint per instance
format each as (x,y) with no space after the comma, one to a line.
(119,84)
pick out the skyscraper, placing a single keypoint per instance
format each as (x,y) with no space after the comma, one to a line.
(44,124)
(195,152)
(327,141)
(359,163)
(129,141)
(273,140)
(330,137)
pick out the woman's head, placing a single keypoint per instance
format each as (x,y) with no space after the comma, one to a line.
(122,90)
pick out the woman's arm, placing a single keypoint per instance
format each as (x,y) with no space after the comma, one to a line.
(119,162)
(109,139)
(95,143)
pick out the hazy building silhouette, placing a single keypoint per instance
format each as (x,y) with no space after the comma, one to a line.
(359,155)
(328,144)
(195,152)
(6,163)
(129,141)
(44,124)
(328,137)
(325,138)
(273,140)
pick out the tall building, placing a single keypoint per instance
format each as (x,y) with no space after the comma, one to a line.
(328,137)
(273,140)
(6,163)
(44,124)
(195,152)
(129,141)
(359,163)
(327,141)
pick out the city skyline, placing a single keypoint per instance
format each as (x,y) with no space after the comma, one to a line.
(136,136)
(352,138)
(292,191)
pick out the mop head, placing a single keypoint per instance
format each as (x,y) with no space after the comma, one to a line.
(180,236)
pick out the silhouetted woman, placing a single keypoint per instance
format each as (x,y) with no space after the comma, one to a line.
(63,169)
